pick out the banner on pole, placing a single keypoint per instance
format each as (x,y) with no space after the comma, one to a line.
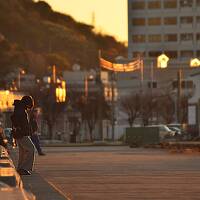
(131,66)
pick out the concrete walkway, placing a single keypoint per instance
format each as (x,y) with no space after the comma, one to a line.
(38,185)
(121,173)
(41,188)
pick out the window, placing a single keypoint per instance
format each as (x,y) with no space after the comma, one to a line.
(154,53)
(138,54)
(187,54)
(187,37)
(154,38)
(186,3)
(138,21)
(171,54)
(187,84)
(154,21)
(170,20)
(184,84)
(170,4)
(138,38)
(138,5)
(186,20)
(170,38)
(154,4)
(152,84)
(198,37)
(198,19)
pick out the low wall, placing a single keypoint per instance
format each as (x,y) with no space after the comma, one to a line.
(11,186)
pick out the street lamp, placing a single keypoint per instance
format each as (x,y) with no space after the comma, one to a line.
(195,62)
(20,72)
(162,62)
(86,84)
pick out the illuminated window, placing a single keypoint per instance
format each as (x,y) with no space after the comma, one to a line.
(138,38)
(138,5)
(187,37)
(138,21)
(154,4)
(170,38)
(154,38)
(170,4)
(186,3)
(171,54)
(187,54)
(154,21)
(154,53)
(186,20)
(170,20)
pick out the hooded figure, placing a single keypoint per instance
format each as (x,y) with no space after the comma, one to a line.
(22,132)
(20,121)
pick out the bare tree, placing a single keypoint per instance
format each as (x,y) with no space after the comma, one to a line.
(148,106)
(45,98)
(166,108)
(184,109)
(131,106)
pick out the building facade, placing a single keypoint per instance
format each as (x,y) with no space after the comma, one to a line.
(164,26)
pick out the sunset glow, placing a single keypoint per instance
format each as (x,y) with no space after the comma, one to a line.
(110,16)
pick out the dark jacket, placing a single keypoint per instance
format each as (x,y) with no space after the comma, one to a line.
(20,119)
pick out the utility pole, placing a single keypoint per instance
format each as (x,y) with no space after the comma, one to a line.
(179,84)
(113,105)
(100,99)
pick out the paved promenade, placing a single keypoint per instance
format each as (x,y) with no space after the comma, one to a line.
(120,173)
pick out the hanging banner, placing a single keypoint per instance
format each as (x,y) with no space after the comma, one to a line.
(131,66)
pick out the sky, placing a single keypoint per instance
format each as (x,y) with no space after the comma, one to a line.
(110,15)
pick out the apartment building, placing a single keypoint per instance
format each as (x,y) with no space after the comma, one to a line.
(164,26)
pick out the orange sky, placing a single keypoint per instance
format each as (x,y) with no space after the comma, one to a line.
(110,15)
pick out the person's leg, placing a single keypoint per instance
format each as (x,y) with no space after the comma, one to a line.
(36,142)
(21,153)
(28,155)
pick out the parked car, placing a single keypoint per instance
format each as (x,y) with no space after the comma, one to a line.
(164,131)
(180,131)
(176,130)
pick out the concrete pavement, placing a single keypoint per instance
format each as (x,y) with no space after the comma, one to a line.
(37,184)
(120,173)
(41,188)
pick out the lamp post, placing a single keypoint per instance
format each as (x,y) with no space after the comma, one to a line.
(20,72)
(162,62)
(113,106)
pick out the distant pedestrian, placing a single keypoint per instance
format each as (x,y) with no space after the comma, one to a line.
(22,132)
(35,137)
